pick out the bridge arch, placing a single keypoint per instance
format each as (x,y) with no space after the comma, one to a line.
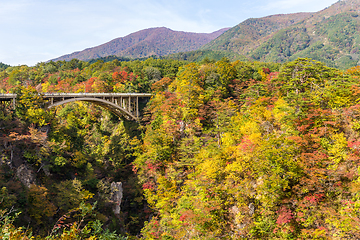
(121,104)
(112,107)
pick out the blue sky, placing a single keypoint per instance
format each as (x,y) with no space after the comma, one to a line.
(35,31)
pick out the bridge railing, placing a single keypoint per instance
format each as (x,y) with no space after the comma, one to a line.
(8,95)
(13,95)
(98,94)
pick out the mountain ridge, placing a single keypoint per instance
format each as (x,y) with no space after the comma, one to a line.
(152,41)
(331,35)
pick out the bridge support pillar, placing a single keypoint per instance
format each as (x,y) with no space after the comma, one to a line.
(129,107)
(137,107)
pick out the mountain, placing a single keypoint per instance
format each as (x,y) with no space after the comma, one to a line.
(153,41)
(252,32)
(331,36)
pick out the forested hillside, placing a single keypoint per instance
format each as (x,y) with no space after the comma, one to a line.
(225,150)
(330,36)
(250,33)
(56,167)
(238,150)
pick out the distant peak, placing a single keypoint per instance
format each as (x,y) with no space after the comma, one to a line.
(146,42)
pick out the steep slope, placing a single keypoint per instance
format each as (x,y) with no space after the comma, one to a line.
(334,40)
(152,41)
(250,33)
(331,35)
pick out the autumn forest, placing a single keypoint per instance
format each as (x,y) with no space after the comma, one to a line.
(223,150)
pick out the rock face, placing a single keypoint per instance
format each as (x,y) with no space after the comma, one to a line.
(251,209)
(25,175)
(116,196)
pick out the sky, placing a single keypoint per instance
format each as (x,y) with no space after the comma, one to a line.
(34,31)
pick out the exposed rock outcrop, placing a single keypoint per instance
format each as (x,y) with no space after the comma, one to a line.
(25,175)
(116,196)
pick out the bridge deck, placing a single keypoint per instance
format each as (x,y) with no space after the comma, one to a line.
(7,97)
(10,96)
(97,94)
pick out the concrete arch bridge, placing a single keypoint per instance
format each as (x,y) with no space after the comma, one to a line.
(121,104)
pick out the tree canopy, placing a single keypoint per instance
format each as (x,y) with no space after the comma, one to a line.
(224,150)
